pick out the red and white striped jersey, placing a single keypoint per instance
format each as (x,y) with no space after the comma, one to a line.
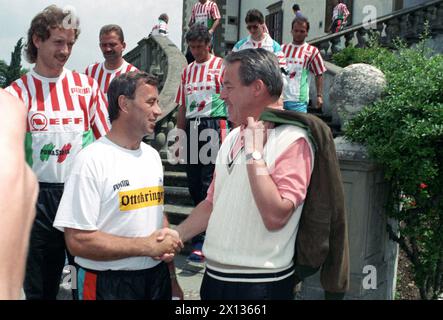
(200,88)
(104,76)
(341,12)
(267,43)
(301,59)
(205,13)
(160,29)
(64,116)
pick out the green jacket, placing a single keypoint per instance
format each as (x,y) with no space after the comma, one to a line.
(322,238)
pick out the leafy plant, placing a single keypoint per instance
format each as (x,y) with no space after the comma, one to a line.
(404,134)
(13,71)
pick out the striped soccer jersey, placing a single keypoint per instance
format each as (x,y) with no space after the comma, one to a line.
(200,89)
(64,116)
(300,60)
(267,43)
(104,76)
(160,29)
(341,12)
(205,13)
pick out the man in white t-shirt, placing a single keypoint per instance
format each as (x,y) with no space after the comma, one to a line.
(112,45)
(112,209)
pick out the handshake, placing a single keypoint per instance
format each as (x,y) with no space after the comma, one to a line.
(164,244)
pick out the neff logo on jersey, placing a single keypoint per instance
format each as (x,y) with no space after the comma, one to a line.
(141,198)
(49,150)
(118,186)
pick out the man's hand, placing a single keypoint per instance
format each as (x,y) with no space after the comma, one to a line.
(255,136)
(164,241)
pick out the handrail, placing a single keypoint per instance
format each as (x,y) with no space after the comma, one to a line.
(406,23)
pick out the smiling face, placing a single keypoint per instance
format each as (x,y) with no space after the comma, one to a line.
(238,97)
(53,53)
(111,46)
(144,109)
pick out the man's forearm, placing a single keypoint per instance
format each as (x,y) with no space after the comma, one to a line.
(319,85)
(215,25)
(102,246)
(181,118)
(274,210)
(197,222)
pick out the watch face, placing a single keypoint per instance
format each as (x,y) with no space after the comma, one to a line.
(256,155)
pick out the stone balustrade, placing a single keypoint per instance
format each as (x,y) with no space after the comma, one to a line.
(160,57)
(407,24)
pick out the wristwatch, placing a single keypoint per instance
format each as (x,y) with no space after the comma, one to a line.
(256,155)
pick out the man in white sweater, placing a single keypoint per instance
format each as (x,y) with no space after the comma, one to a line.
(253,207)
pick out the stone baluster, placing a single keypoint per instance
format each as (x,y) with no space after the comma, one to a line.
(379,33)
(335,44)
(324,48)
(430,16)
(404,26)
(438,25)
(361,38)
(392,31)
(348,38)
(417,25)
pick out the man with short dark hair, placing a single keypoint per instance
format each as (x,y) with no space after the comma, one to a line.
(112,209)
(297,11)
(66,112)
(253,207)
(302,58)
(112,45)
(201,108)
(258,38)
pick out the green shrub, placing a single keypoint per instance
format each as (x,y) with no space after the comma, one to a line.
(404,134)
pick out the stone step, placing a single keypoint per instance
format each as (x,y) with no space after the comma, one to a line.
(176,179)
(177,213)
(178,196)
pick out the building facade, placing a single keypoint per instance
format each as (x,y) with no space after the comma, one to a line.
(279,16)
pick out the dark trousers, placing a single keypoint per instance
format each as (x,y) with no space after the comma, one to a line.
(213,289)
(199,175)
(47,249)
(149,284)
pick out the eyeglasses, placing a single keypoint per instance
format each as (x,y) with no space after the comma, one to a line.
(252,27)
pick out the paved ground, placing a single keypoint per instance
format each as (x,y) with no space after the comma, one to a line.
(189,277)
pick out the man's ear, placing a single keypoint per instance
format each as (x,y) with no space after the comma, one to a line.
(258,86)
(123,103)
(124,45)
(36,41)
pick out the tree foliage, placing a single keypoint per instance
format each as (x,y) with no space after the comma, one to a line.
(404,134)
(13,71)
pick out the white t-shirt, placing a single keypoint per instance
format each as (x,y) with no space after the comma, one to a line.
(117,191)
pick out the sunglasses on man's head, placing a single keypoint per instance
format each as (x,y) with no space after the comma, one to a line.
(253,27)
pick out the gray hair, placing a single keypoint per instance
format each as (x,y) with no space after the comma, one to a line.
(125,85)
(258,64)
